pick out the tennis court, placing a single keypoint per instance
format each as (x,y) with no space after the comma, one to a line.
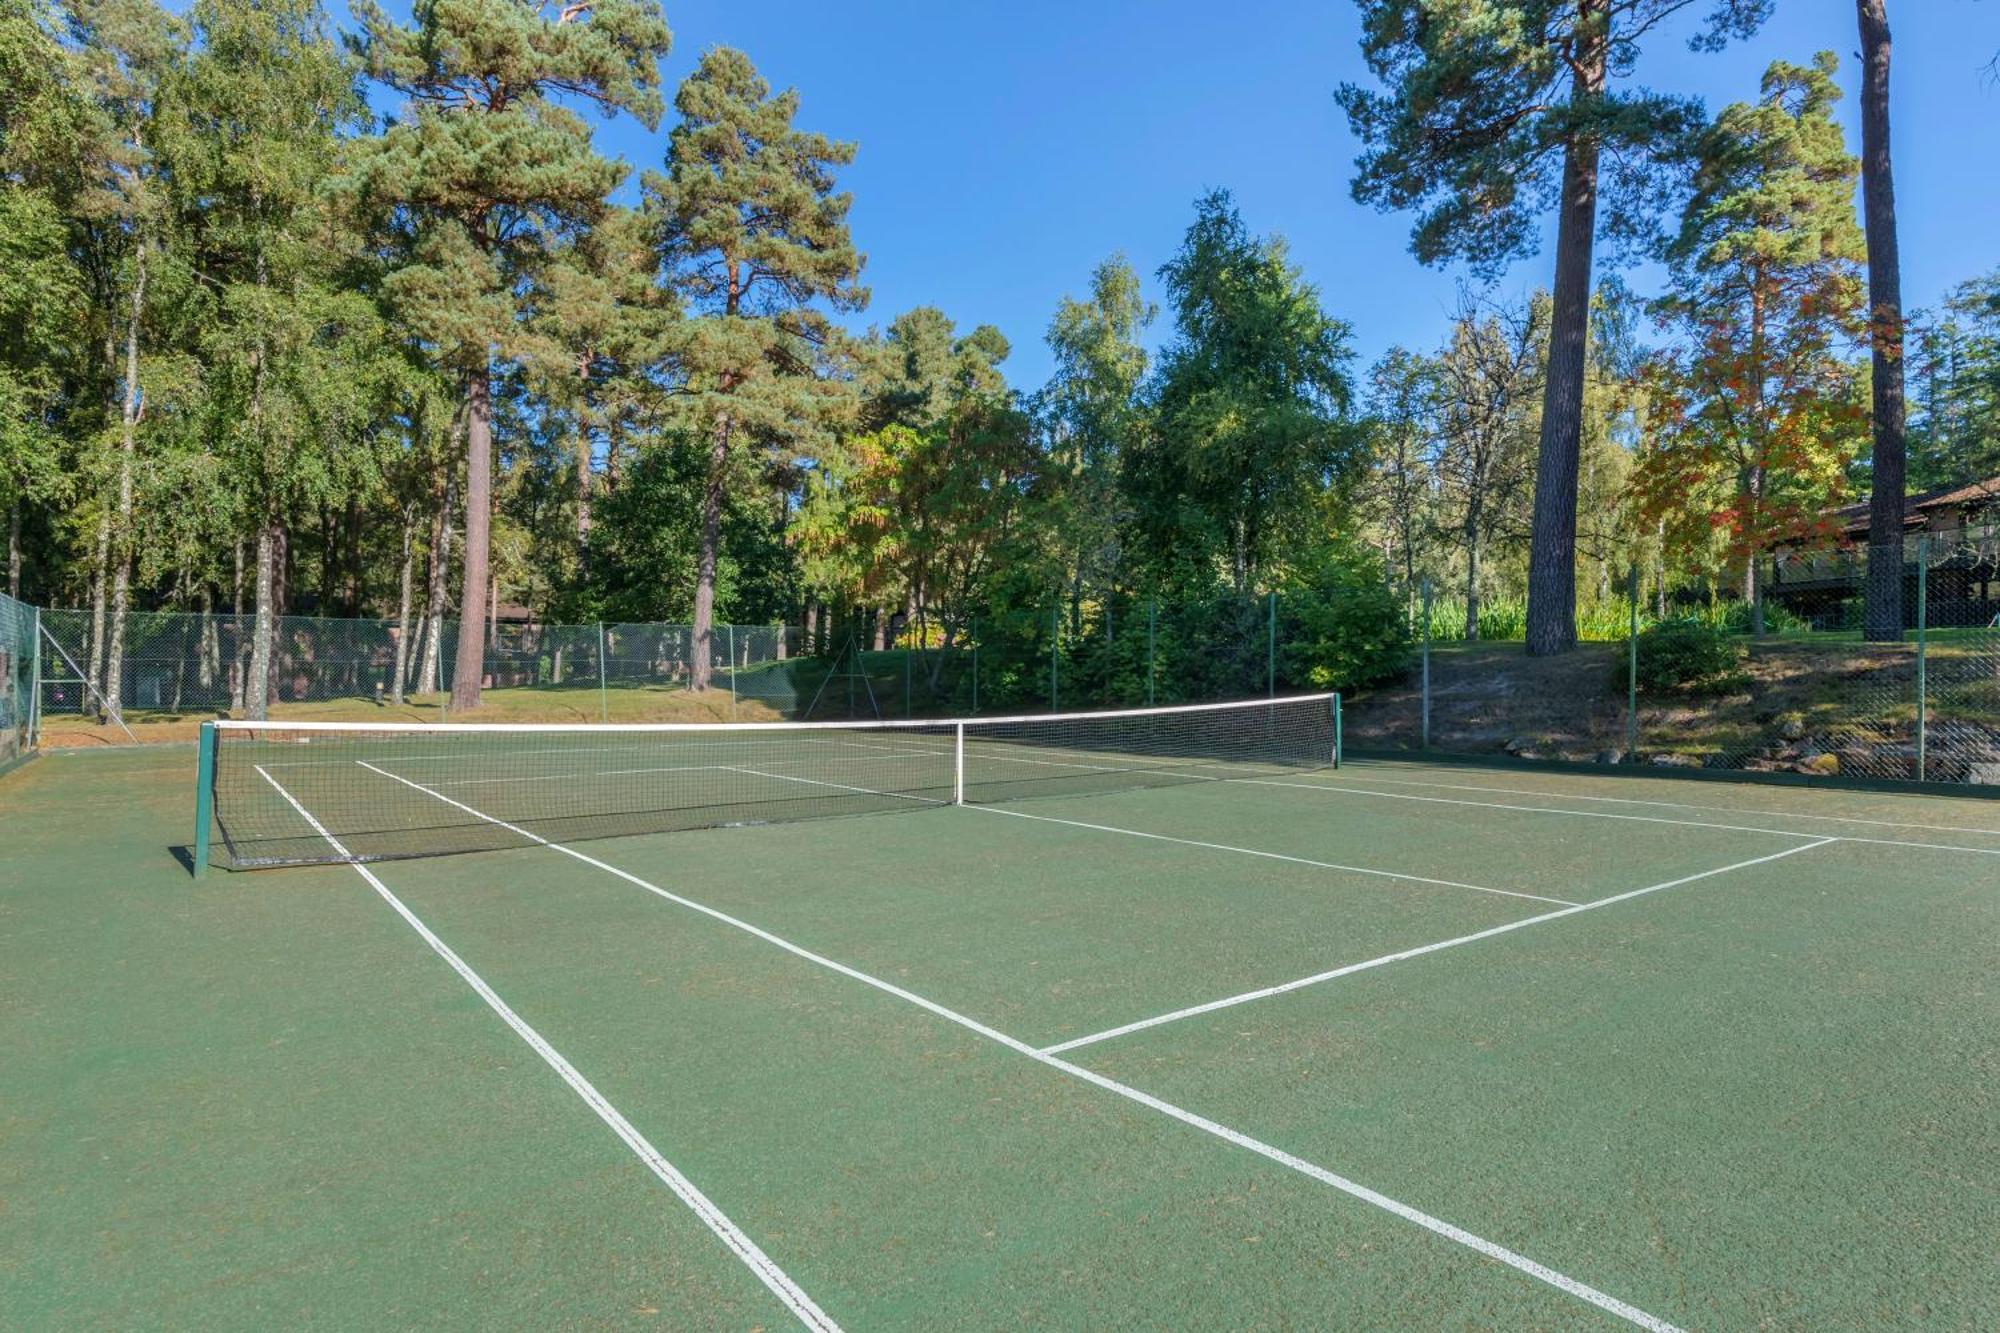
(1154,1022)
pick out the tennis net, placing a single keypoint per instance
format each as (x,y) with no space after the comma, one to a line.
(276,793)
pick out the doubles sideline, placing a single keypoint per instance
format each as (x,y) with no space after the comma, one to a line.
(745,1249)
(1438,1226)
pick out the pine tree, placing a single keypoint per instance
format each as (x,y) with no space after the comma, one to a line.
(489,171)
(1492,109)
(1882,596)
(1755,425)
(752,236)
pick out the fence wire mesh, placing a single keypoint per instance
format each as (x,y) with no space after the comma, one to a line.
(1795,699)
(17,679)
(1688,683)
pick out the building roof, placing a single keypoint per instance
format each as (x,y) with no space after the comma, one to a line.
(1917,508)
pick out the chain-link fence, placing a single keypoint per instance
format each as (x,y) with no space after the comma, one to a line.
(1667,678)
(158,666)
(17,679)
(1693,686)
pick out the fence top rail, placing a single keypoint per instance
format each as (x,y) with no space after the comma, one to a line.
(705,728)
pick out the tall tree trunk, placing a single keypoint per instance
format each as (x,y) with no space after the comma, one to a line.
(427,673)
(128,435)
(583,480)
(352,557)
(281,591)
(398,674)
(100,586)
(469,664)
(711,542)
(256,698)
(1882,605)
(1552,545)
(238,645)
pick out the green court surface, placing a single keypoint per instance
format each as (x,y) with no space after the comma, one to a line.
(1395,1045)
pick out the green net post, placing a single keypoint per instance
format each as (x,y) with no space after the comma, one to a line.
(1424,737)
(1632,669)
(1923,645)
(1271,650)
(1337,746)
(204,797)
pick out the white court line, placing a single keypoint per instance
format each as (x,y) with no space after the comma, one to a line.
(1351,968)
(775,1278)
(1459,1235)
(841,786)
(1280,856)
(1330,790)
(1688,805)
(1189,842)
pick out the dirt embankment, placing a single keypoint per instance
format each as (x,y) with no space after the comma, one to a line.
(1818,707)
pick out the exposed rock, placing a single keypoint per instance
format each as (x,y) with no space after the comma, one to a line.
(1670,760)
(1519,745)
(1986,773)
(1792,727)
(1821,766)
(1611,756)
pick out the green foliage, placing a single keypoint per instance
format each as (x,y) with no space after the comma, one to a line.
(1249,405)
(1686,656)
(1340,627)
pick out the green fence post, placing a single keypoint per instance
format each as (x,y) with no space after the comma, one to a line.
(204,797)
(1632,671)
(1425,736)
(975,664)
(35,683)
(1271,650)
(1055,648)
(1152,627)
(1923,654)
(603,671)
(907,683)
(732,670)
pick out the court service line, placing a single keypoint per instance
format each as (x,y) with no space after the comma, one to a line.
(1280,856)
(1354,1189)
(1605,814)
(747,1250)
(1686,805)
(1230,1001)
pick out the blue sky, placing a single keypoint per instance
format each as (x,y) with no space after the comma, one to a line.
(1005,150)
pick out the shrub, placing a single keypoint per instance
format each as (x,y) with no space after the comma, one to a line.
(1687,656)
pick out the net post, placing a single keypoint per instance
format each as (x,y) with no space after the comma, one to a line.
(1923,654)
(204,797)
(958,764)
(1336,731)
